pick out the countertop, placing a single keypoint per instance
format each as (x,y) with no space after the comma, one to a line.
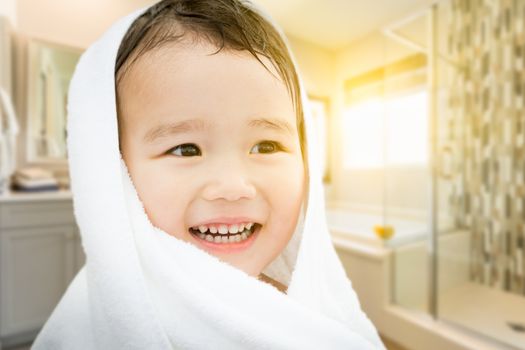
(14,196)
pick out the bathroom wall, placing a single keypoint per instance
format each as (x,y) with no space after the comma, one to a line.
(316,65)
(74,23)
(8,8)
(80,23)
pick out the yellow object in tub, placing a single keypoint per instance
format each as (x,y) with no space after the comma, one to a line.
(384,232)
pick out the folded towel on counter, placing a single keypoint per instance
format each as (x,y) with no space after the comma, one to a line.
(33,179)
(20,183)
(34,173)
(142,288)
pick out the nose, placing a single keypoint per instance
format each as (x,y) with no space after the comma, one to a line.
(230,184)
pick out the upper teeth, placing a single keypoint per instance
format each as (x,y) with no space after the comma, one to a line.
(224,229)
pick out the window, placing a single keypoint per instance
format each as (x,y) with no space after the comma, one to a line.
(406,125)
(362,138)
(389,131)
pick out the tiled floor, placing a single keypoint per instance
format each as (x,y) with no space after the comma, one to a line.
(461,305)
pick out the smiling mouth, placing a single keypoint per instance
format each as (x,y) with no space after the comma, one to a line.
(225,238)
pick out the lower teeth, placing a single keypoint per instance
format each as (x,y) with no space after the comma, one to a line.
(227,238)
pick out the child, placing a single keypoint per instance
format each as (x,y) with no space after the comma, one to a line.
(174,141)
(193,183)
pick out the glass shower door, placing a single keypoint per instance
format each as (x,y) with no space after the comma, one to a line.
(407,160)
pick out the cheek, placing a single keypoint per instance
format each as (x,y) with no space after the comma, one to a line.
(287,193)
(164,194)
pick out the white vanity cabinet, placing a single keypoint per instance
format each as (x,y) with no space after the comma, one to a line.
(40,253)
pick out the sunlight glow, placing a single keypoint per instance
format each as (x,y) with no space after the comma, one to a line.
(386,132)
(319,119)
(362,138)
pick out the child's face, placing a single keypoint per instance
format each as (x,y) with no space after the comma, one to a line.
(231,169)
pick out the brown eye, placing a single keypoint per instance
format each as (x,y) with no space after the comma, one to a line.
(267,147)
(185,150)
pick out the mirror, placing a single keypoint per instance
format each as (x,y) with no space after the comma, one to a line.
(50,68)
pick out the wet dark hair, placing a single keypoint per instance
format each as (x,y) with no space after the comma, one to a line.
(229,24)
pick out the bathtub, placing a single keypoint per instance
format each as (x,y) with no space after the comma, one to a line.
(358,225)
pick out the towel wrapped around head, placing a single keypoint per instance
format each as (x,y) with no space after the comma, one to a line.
(144,288)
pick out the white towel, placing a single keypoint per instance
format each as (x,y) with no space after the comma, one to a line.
(144,289)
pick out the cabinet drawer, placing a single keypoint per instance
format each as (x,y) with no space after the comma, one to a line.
(36,213)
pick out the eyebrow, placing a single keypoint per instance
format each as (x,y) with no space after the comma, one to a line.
(165,130)
(189,125)
(278,125)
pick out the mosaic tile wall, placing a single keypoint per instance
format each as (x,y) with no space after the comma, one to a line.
(486,131)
